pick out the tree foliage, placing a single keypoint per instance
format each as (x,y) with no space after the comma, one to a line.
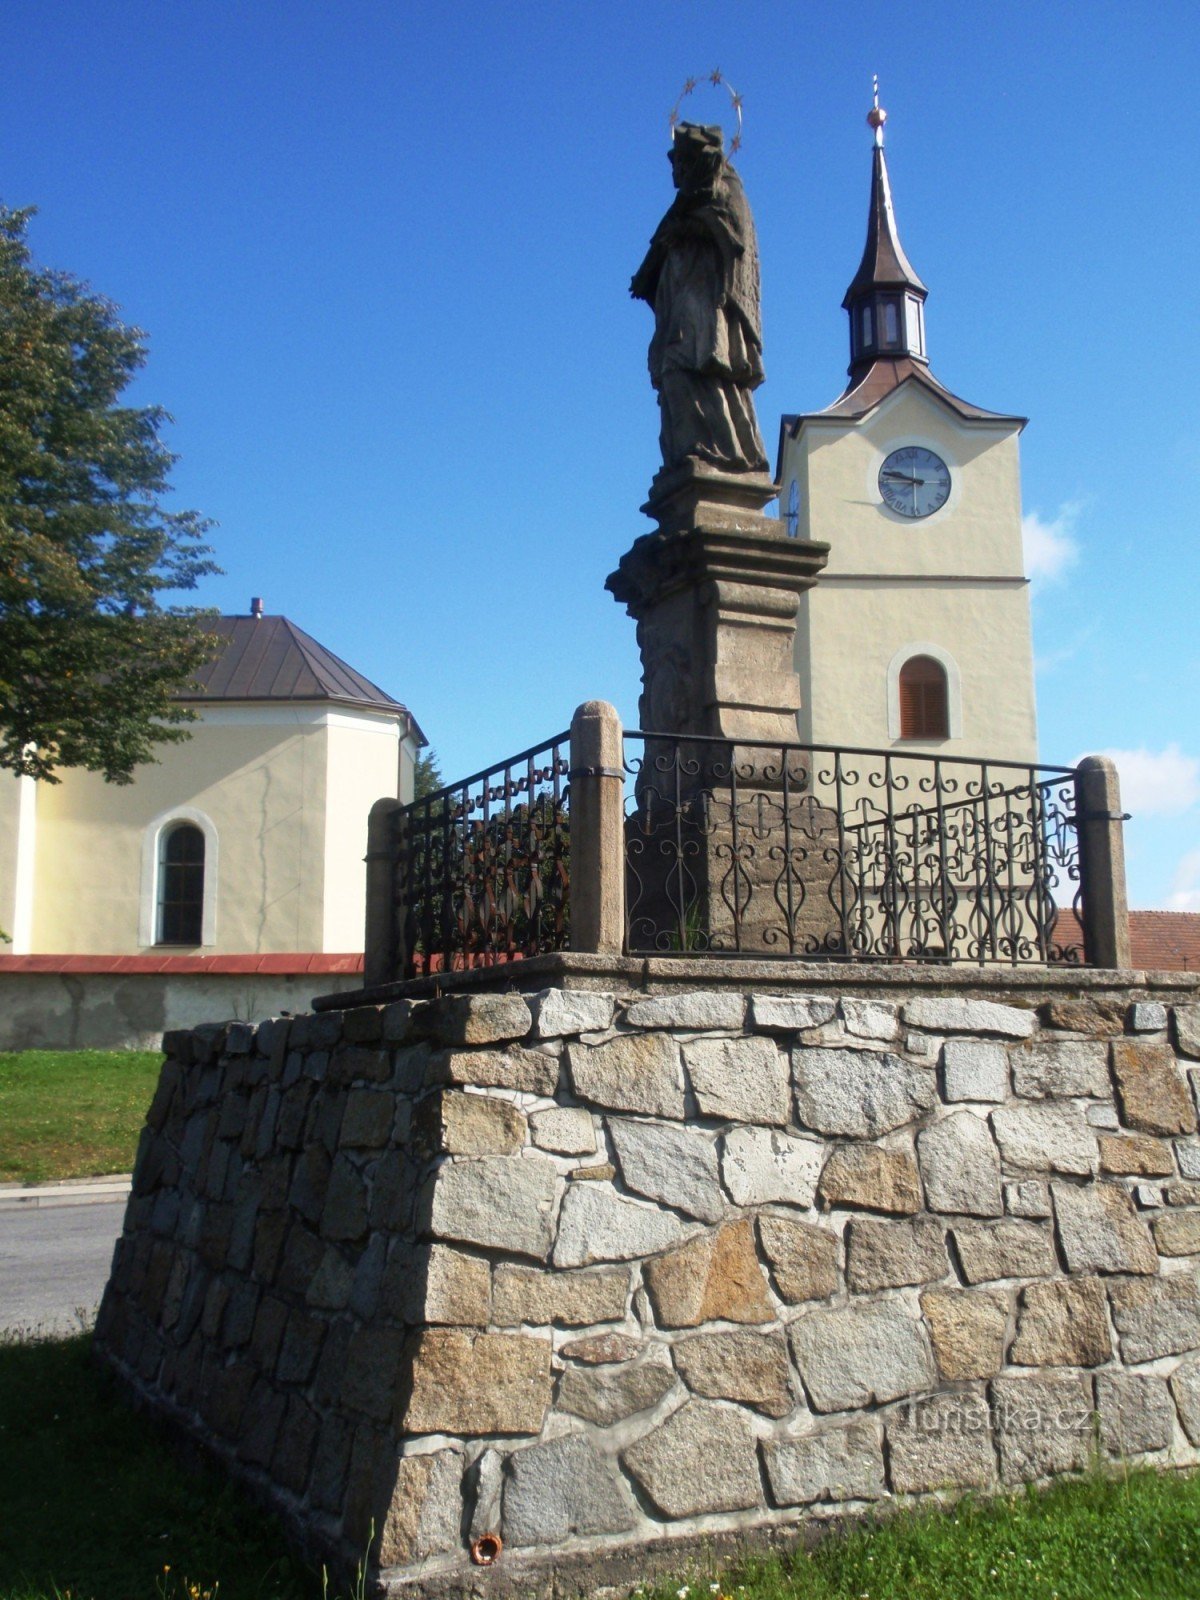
(427,775)
(89,659)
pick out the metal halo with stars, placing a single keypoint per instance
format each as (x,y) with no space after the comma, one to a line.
(717,80)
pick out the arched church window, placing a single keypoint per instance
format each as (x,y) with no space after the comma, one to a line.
(181,885)
(924,708)
(793,510)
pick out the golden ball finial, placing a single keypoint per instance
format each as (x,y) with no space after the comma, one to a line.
(877,116)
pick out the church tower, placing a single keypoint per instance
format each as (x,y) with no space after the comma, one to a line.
(917,636)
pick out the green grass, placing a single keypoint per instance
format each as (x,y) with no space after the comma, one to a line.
(1132,1536)
(72,1113)
(93,1500)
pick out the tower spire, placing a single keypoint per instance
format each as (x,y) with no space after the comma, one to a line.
(886,299)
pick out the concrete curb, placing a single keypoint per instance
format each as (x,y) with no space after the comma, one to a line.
(72,1192)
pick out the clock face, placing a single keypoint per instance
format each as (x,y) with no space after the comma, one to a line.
(914,482)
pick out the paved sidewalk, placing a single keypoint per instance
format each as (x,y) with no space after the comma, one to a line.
(71,1192)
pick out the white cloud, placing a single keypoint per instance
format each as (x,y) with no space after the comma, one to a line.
(1051,547)
(1157,782)
(1185,889)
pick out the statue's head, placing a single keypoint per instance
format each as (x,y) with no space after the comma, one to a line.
(696,155)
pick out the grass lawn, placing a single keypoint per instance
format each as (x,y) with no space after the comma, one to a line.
(72,1113)
(93,1501)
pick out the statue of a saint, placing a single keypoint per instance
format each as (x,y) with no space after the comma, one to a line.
(701,276)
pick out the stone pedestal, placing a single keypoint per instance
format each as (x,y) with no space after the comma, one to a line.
(727,850)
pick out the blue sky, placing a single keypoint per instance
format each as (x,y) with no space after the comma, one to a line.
(382,252)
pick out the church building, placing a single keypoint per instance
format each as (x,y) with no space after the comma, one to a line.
(916,637)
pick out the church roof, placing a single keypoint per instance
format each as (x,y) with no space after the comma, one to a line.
(270,658)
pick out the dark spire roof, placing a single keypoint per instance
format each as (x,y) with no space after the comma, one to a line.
(270,658)
(884,264)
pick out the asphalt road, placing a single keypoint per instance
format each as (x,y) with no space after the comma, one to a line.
(54,1263)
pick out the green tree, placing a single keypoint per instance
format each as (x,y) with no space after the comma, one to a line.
(90,660)
(427,775)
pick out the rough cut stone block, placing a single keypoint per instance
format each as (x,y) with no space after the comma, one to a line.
(1100,1231)
(1103,1114)
(675,1165)
(791,1013)
(461,1124)
(426,1508)
(1029,1197)
(886,1255)
(1007,1249)
(861,1354)
(832,1464)
(1061,1067)
(1150,1087)
(715,1277)
(595,1172)
(566,1130)
(870,1179)
(473,1019)
(597,1224)
(968,1330)
(745,1080)
(960,1166)
(345,1212)
(456,1288)
(473,1383)
(969,1016)
(1149,1196)
(371,1371)
(558,1013)
(975,1069)
(700,1460)
(531,1071)
(803,1258)
(1185,1388)
(1136,1156)
(1062,1324)
(1182,1194)
(1043,1425)
(859,1093)
(1187,1153)
(362,1025)
(397,1021)
(1187,1030)
(1100,1017)
(503,1202)
(944,1442)
(1054,1138)
(751,1368)
(633,1072)
(1147,1016)
(605,1395)
(870,1019)
(601,1349)
(1177,1233)
(563,1488)
(762,1165)
(706,1009)
(572,1299)
(1136,1413)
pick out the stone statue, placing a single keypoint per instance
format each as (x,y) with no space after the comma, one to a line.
(701,276)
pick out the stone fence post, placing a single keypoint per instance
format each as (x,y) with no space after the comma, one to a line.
(597,830)
(381,959)
(1099,819)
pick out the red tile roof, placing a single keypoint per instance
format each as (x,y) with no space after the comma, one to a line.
(1165,941)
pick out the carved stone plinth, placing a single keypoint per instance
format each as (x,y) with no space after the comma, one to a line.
(727,851)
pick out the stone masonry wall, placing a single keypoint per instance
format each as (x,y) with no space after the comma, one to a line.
(584,1270)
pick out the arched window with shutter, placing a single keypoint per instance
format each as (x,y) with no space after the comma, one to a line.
(178,902)
(924,693)
(924,707)
(181,885)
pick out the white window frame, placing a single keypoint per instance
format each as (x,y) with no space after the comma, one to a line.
(954,719)
(151,852)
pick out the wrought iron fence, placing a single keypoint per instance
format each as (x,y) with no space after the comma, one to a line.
(817,852)
(483,866)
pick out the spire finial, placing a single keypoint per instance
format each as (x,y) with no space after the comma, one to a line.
(877,116)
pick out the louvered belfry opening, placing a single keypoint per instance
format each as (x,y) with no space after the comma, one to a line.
(924,709)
